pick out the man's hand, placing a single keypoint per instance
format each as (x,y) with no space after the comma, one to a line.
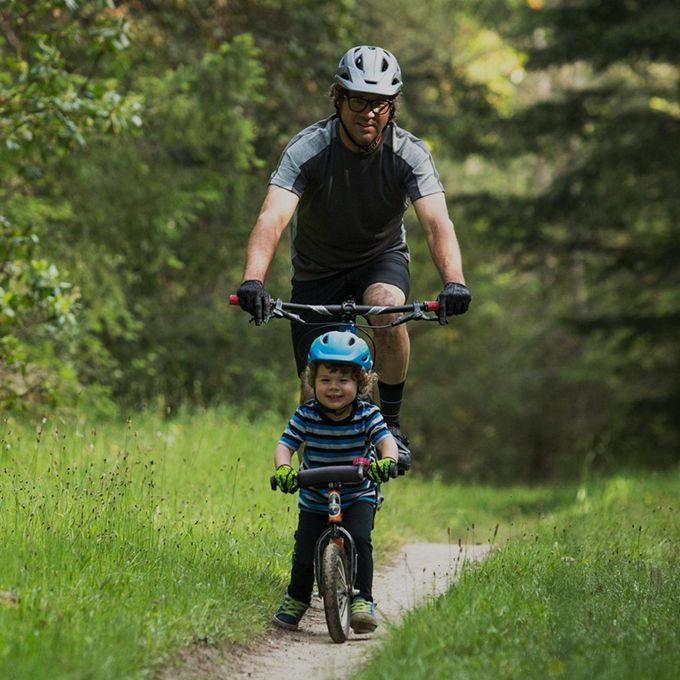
(454,299)
(253,298)
(286,478)
(379,470)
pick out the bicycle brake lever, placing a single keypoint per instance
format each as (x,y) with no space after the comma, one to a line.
(405,318)
(276,311)
(280,313)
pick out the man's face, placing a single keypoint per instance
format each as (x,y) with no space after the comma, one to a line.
(364,115)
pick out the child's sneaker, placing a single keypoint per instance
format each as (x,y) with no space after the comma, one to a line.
(363,616)
(289,613)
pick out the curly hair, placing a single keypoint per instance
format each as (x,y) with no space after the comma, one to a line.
(365,380)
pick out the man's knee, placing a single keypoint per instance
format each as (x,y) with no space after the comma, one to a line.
(384,294)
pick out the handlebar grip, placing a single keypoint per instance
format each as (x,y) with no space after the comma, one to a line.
(330,473)
(272,483)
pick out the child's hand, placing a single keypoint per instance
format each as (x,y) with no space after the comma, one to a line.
(379,470)
(286,478)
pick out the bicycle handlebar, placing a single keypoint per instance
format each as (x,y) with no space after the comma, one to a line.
(351,474)
(411,311)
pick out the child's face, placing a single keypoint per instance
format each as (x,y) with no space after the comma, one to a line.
(336,388)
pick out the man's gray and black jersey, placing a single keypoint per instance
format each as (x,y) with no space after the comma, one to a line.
(351,204)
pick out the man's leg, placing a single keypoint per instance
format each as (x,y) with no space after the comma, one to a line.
(392,344)
(392,349)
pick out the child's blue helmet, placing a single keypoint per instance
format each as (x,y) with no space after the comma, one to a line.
(341,347)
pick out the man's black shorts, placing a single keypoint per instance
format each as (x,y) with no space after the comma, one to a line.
(389,268)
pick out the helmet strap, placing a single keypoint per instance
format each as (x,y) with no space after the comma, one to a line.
(364,148)
(335,411)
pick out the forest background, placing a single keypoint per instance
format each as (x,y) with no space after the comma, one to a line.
(136,139)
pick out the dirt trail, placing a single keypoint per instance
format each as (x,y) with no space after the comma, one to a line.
(420,570)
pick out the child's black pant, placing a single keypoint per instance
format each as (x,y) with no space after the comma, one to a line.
(358,520)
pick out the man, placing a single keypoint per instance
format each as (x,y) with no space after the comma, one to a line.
(344,182)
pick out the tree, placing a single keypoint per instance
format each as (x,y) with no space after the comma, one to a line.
(52,97)
(602,211)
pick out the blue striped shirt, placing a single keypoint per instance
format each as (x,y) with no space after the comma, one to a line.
(335,442)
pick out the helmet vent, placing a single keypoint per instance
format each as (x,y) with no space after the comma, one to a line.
(340,347)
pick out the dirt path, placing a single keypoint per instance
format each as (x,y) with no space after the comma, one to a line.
(420,570)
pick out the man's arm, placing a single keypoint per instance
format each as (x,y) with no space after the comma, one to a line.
(276,212)
(433,216)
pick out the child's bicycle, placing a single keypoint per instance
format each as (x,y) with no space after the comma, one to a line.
(335,556)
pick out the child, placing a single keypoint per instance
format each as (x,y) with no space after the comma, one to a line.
(336,427)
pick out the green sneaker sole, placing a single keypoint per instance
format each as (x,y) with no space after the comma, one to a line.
(363,623)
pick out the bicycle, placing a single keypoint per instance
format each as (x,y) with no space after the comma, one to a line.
(335,555)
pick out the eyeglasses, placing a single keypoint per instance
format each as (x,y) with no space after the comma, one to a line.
(359,104)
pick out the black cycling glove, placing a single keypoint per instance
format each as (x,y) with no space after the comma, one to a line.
(253,298)
(454,299)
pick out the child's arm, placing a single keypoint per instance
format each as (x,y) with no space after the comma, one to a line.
(387,448)
(283,455)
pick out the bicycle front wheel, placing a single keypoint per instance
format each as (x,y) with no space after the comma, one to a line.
(336,588)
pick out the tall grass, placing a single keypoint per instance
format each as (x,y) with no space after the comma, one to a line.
(124,543)
(121,543)
(591,590)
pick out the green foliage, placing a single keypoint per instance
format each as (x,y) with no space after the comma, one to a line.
(596,225)
(52,96)
(37,309)
(552,145)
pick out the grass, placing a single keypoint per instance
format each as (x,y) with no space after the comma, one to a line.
(589,590)
(123,544)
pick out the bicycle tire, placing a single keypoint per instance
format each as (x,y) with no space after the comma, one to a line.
(336,588)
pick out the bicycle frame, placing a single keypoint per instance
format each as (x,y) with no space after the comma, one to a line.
(335,533)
